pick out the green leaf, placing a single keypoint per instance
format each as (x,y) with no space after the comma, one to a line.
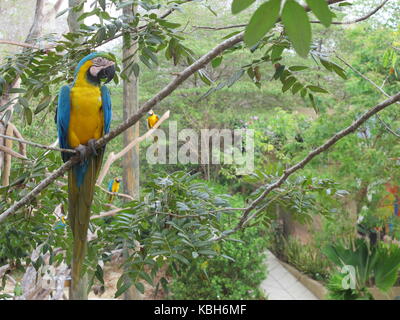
(62,12)
(215,63)
(338,70)
(140,287)
(297,68)
(99,274)
(326,64)
(276,52)
(262,21)
(321,10)
(311,97)
(136,69)
(122,289)
(28,115)
(17,90)
(288,83)
(102,4)
(23,102)
(317,89)
(240,5)
(124,4)
(297,26)
(180,258)
(296,87)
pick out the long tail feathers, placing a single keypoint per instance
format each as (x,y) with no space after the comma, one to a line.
(80,199)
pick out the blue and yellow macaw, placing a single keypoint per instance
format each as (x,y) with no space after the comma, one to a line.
(83,116)
(151,121)
(113,186)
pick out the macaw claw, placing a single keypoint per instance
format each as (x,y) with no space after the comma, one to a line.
(91,144)
(83,152)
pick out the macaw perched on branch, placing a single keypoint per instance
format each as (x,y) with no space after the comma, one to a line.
(113,186)
(151,121)
(83,116)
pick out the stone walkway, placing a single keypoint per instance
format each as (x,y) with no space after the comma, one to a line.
(281,284)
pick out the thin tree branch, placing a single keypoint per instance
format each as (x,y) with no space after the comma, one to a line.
(107,213)
(37,145)
(359,19)
(17,134)
(288,172)
(12,153)
(113,157)
(123,195)
(19,44)
(388,128)
(312,21)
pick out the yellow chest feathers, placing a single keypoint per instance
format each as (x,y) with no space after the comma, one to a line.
(86,115)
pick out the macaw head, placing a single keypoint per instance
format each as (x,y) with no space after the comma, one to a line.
(101,66)
(150,113)
(117,180)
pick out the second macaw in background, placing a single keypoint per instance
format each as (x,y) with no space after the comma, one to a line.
(151,121)
(113,186)
(83,116)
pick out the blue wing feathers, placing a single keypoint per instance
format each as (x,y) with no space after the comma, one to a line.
(106,104)
(63,115)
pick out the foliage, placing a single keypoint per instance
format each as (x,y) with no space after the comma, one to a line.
(238,277)
(337,292)
(173,225)
(307,258)
(380,262)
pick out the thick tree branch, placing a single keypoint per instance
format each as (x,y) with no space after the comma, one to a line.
(288,172)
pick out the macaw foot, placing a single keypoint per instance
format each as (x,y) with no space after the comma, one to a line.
(83,153)
(91,144)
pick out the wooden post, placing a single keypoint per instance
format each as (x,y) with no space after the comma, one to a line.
(130,161)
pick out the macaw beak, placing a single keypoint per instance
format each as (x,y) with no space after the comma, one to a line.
(107,73)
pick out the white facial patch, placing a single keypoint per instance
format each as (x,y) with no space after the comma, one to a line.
(99,64)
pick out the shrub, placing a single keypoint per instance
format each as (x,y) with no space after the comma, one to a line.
(236,277)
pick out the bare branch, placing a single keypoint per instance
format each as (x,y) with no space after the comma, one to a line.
(312,21)
(123,195)
(388,128)
(37,145)
(108,213)
(359,19)
(19,44)
(12,153)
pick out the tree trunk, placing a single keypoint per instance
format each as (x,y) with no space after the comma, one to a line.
(130,162)
(73,23)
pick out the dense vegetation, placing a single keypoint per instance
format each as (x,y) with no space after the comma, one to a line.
(293,97)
